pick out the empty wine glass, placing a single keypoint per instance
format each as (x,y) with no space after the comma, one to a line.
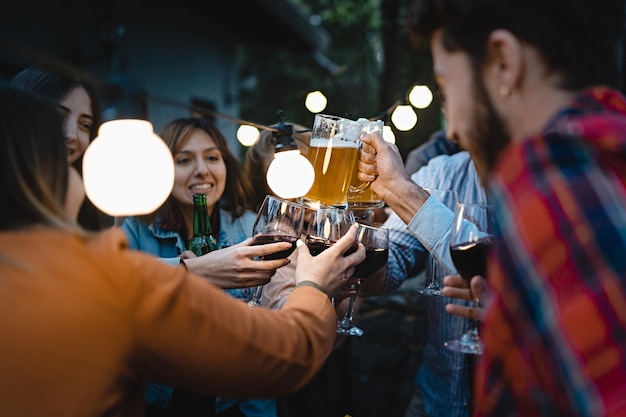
(278,220)
(434,269)
(470,239)
(376,242)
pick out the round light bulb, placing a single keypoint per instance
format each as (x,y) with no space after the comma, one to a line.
(128,170)
(420,96)
(388,134)
(247,135)
(290,175)
(404,117)
(315,101)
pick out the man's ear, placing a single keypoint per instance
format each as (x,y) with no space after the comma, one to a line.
(506,63)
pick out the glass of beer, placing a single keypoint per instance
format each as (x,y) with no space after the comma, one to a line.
(333,152)
(360,194)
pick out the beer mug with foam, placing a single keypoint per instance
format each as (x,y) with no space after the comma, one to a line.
(333,152)
(360,194)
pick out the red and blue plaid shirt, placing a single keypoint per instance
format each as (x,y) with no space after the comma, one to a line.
(555,328)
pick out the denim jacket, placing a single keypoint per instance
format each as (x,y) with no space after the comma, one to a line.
(168,245)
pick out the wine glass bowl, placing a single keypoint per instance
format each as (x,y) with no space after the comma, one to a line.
(470,239)
(325,227)
(376,242)
(278,220)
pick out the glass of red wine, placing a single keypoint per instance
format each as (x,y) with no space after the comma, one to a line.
(326,226)
(470,239)
(376,242)
(278,220)
(434,269)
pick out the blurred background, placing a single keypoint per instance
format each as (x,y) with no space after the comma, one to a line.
(244,59)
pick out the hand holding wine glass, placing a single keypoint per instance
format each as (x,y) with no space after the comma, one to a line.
(237,266)
(456,287)
(470,239)
(331,268)
(376,242)
(326,226)
(435,269)
(278,220)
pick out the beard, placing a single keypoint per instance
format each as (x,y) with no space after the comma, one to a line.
(488,136)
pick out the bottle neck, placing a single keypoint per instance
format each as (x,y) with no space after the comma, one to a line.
(201,221)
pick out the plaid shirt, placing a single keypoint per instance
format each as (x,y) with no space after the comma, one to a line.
(555,329)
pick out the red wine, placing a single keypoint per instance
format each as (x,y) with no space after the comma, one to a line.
(471,258)
(375,258)
(318,245)
(266,239)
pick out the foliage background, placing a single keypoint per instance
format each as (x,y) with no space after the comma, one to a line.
(373,64)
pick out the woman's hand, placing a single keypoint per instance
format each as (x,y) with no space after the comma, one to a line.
(455,287)
(330,269)
(236,266)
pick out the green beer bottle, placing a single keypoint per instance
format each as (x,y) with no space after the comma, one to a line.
(202,241)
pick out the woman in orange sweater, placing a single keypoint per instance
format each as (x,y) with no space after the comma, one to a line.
(85,322)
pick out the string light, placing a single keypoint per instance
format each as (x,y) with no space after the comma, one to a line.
(144,173)
(401,114)
(315,101)
(420,96)
(247,135)
(404,117)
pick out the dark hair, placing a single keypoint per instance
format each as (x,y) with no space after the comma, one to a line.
(237,192)
(55,82)
(579,39)
(33,162)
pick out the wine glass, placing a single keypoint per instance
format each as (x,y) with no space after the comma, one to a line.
(376,242)
(326,226)
(470,239)
(449,198)
(278,220)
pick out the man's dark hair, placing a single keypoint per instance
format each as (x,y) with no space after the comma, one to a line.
(579,39)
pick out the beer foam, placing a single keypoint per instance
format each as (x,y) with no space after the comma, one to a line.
(336,142)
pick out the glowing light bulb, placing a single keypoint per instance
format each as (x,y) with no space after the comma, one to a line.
(290,175)
(315,101)
(404,117)
(247,135)
(128,170)
(420,96)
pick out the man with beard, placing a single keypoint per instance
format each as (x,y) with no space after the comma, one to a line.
(529,88)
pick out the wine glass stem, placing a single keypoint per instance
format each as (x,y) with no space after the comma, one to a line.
(433,274)
(256,298)
(474,322)
(347,318)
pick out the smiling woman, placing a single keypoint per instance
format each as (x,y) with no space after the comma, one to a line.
(204,164)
